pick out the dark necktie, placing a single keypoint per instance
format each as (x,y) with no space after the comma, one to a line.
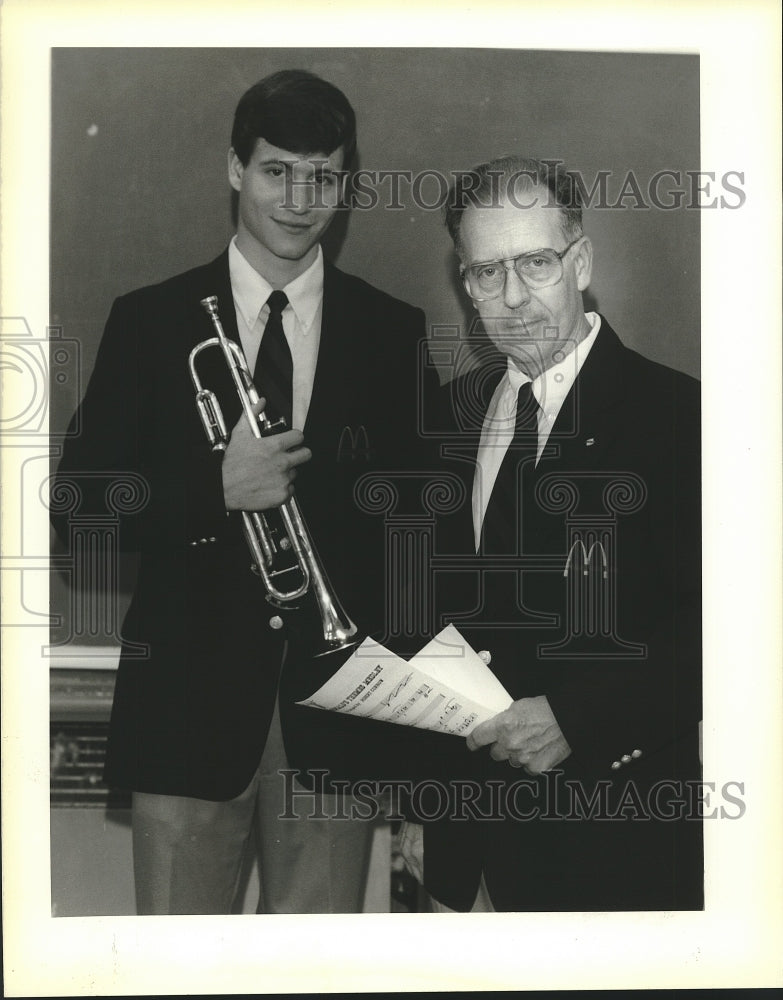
(500,532)
(274,369)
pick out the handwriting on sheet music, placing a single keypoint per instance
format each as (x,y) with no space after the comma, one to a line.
(394,693)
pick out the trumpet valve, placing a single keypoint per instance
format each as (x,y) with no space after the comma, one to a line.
(270,427)
(212,419)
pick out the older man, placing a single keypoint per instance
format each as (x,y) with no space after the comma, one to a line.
(583,482)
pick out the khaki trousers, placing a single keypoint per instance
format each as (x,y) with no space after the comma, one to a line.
(188,853)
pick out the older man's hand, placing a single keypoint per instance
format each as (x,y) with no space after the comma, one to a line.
(526,735)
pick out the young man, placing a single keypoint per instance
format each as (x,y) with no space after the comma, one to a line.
(195,729)
(584,511)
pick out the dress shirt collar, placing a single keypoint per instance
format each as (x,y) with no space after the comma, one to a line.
(553,385)
(251,289)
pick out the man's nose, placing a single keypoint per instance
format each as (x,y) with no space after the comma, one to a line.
(515,293)
(301,194)
(301,200)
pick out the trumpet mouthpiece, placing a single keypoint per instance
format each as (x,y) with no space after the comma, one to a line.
(210,304)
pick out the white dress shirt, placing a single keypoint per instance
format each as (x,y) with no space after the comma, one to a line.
(550,389)
(301,320)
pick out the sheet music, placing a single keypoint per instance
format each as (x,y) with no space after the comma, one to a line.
(445,687)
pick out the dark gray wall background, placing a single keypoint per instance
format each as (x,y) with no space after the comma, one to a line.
(147,195)
(139,188)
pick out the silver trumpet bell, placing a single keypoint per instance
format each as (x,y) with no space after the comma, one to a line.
(338,630)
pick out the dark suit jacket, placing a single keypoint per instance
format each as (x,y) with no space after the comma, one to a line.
(191,717)
(604,620)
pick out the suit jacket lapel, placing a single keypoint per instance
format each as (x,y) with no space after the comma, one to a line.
(211,280)
(467,400)
(333,384)
(585,427)
(587,422)
(336,351)
(214,279)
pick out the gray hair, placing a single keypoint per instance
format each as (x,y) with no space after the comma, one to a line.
(496,182)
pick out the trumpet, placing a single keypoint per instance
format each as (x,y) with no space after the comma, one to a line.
(337,628)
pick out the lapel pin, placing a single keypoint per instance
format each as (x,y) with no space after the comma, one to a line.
(590,441)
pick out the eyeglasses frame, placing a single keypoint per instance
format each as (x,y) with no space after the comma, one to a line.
(510,262)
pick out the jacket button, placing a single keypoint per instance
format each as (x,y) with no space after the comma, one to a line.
(616,765)
(626,758)
(636,753)
(275,622)
(486,656)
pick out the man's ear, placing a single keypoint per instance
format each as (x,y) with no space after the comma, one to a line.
(583,262)
(235,170)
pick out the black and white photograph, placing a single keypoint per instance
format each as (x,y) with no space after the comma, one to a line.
(373,549)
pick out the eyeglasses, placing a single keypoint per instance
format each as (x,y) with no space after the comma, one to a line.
(537,268)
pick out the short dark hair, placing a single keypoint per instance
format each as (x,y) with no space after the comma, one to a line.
(488,184)
(297,111)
